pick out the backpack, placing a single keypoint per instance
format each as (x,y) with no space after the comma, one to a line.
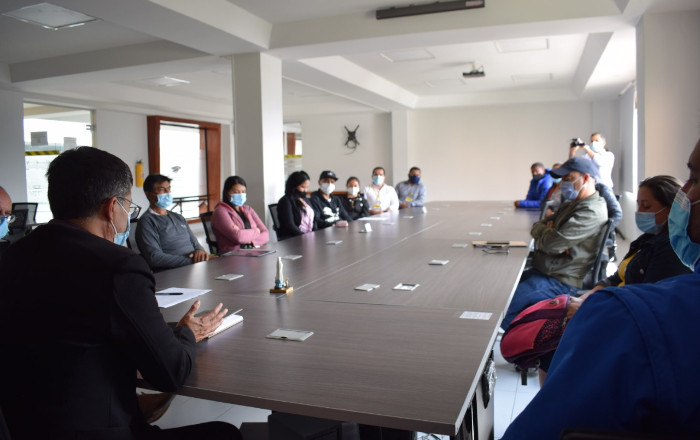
(534,332)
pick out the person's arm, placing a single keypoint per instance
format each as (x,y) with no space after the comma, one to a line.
(663,262)
(148,241)
(364,209)
(614,208)
(393,199)
(601,358)
(285,214)
(419,200)
(581,225)
(225,224)
(318,205)
(341,209)
(263,236)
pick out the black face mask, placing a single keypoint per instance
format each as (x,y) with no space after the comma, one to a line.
(537,176)
(301,194)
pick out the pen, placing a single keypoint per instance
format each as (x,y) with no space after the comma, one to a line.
(169,293)
(236,312)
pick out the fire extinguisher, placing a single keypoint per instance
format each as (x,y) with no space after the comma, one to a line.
(139,174)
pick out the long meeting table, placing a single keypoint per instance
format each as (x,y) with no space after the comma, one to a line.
(410,360)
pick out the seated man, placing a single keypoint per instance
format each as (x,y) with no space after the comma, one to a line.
(380,196)
(5,217)
(539,187)
(95,321)
(627,362)
(411,192)
(164,237)
(566,242)
(328,209)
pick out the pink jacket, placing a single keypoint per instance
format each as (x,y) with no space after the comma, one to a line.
(229,229)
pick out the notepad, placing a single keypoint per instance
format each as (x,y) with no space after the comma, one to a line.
(290,335)
(165,301)
(228,322)
(292,257)
(460,245)
(406,286)
(438,262)
(367,287)
(229,276)
(498,244)
(334,242)
(249,252)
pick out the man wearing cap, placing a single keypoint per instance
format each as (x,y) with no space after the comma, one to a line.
(328,209)
(566,242)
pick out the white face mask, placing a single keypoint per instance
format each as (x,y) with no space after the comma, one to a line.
(354,190)
(597,146)
(328,188)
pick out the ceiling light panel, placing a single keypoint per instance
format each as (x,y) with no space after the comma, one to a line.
(50,16)
(398,56)
(522,45)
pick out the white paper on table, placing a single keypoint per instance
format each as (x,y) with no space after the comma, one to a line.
(165,301)
(476,315)
(373,219)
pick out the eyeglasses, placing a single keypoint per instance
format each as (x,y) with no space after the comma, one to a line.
(10,218)
(134,209)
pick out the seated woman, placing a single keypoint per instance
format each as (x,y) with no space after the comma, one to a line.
(650,257)
(296,216)
(236,224)
(354,201)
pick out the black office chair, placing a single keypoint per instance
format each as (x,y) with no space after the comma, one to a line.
(209,232)
(275,219)
(131,241)
(29,209)
(599,269)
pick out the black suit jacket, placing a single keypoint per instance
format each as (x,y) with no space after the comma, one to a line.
(78,317)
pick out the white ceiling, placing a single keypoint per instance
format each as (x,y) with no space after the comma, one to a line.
(336,57)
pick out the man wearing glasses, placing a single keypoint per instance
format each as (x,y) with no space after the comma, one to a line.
(79,317)
(164,237)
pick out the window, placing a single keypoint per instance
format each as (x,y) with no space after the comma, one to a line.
(189,152)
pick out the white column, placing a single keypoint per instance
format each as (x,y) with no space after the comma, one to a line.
(12,168)
(399,146)
(257,128)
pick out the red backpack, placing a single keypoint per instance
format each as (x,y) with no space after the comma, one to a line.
(534,332)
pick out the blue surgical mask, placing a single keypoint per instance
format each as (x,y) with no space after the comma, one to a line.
(4,227)
(414,179)
(121,237)
(646,221)
(556,180)
(238,199)
(688,252)
(597,146)
(378,180)
(567,190)
(164,200)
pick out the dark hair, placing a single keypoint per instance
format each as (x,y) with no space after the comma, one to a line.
(347,182)
(537,165)
(152,180)
(378,168)
(228,184)
(83,179)
(295,179)
(414,168)
(663,188)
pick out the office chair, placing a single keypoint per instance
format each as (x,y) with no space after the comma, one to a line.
(209,232)
(598,270)
(131,241)
(30,208)
(275,219)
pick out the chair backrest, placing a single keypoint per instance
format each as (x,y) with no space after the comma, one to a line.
(209,232)
(275,218)
(598,270)
(131,241)
(31,208)
(20,223)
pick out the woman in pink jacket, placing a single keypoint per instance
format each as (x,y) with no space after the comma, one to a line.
(236,224)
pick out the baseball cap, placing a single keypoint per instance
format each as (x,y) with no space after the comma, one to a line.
(578,163)
(328,175)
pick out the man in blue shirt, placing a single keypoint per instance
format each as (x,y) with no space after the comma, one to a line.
(539,186)
(628,360)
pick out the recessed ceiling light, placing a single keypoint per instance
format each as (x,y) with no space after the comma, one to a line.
(50,16)
(396,56)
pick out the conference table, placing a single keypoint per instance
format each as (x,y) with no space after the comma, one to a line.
(410,360)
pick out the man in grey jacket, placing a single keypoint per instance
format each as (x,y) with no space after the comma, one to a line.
(566,242)
(164,237)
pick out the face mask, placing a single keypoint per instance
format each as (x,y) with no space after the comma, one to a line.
(688,252)
(164,200)
(646,221)
(327,188)
(120,237)
(414,179)
(301,194)
(238,199)
(537,176)
(597,146)
(378,180)
(568,191)
(556,180)
(354,190)
(5,227)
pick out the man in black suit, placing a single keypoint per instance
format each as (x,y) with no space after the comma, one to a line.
(78,316)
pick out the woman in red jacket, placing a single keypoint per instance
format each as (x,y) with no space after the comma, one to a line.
(236,224)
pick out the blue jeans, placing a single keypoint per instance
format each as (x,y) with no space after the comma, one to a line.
(534,286)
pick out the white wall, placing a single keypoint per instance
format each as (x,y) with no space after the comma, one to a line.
(485,153)
(668,62)
(324,147)
(12,170)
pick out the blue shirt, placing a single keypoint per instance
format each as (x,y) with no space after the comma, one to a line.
(537,191)
(628,361)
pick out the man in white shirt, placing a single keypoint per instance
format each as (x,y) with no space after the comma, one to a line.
(603,158)
(381,197)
